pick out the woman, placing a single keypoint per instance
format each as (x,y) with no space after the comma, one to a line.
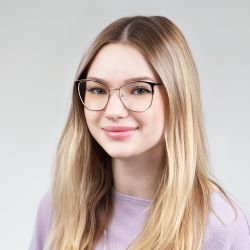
(131,170)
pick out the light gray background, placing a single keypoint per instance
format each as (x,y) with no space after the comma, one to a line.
(41,46)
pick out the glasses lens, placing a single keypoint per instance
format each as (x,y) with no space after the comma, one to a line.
(94,95)
(136,96)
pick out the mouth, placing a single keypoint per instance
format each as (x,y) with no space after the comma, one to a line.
(119,132)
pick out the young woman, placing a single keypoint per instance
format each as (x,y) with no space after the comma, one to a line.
(131,170)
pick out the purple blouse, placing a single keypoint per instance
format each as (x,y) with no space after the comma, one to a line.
(130,213)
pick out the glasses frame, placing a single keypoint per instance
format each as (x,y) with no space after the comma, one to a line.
(152,84)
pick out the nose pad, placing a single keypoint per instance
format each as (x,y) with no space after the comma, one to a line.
(115,107)
(115,92)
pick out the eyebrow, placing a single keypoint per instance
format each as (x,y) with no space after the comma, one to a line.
(138,78)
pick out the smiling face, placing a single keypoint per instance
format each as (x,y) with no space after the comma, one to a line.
(115,64)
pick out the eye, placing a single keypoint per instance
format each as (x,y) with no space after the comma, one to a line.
(141,90)
(97,91)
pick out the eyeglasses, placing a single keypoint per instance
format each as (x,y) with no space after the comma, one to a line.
(135,95)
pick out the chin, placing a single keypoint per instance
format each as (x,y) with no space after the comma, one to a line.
(119,154)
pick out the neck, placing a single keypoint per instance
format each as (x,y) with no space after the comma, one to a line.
(139,175)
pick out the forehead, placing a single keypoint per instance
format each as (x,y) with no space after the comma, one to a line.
(120,62)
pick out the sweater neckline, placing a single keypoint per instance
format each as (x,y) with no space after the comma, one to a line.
(141,201)
(132,199)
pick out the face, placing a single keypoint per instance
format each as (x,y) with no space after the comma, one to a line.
(115,64)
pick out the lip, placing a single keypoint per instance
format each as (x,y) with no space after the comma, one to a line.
(119,128)
(121,132)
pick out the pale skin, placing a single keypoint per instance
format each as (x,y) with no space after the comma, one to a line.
(136,160)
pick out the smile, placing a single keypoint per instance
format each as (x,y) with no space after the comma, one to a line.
(124,134)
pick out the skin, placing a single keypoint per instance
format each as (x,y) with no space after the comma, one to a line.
(137,160)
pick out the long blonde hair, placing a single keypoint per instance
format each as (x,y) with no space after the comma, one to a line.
(82,198)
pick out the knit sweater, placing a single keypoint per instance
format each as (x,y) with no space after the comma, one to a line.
(130,214)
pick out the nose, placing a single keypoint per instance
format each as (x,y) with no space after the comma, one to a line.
(115,108)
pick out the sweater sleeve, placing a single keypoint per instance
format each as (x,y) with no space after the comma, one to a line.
(234,234)
(241,230)
(42,223)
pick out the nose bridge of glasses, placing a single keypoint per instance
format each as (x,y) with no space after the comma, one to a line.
(117,98)
(115,89)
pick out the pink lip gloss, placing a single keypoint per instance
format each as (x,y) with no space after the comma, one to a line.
(120,135)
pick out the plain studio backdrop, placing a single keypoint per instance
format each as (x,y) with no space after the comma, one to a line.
(41,45)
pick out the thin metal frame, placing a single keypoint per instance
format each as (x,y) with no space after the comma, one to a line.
(152,84)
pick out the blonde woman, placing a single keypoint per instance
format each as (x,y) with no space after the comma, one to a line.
(131,169)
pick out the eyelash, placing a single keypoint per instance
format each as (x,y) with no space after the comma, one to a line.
(138,88)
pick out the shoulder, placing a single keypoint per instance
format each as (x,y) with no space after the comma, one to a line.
(42,222)
(224,230)
(44,209)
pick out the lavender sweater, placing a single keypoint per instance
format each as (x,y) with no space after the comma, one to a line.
(130,213)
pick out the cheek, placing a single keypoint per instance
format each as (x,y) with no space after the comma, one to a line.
(159,109)
(157,119)
(158,123)
(152,123)
(91,119)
